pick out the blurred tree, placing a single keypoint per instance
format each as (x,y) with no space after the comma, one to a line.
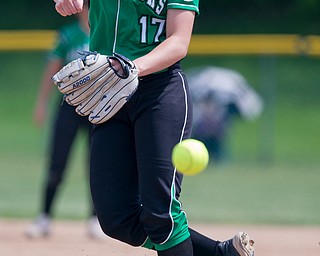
(31,14)
(217,17)
(258,16)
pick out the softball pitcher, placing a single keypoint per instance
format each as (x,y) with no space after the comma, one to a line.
(135,188)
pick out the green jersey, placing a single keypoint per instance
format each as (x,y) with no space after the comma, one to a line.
(131,27)
(71,40)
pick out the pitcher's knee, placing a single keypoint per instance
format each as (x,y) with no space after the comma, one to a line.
(126,231)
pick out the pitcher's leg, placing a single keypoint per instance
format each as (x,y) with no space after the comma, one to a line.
(114,180)
(162,121)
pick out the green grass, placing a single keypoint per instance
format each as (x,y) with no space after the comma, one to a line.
(273,175)
(21,182)
(254,194)
(233,193)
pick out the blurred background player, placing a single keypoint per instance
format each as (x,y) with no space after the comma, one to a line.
(220,95)
(73,38)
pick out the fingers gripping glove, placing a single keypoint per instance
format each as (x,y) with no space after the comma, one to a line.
(95,87)
(118,90)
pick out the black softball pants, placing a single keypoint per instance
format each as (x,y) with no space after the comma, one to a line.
(134,186)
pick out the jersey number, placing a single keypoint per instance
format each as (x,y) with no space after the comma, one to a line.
(144,24)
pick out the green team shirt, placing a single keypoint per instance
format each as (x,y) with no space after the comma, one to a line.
(131,27)
(71,40)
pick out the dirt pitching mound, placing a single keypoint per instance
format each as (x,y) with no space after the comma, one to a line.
(69,238)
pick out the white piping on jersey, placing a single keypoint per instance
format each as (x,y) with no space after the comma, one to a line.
(186,102)
(175,169)
(116,28)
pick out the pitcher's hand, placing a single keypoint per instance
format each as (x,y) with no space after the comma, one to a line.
(68,7)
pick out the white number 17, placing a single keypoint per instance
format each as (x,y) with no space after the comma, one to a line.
(144,22)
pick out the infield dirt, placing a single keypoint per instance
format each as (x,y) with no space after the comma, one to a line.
(68,238)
